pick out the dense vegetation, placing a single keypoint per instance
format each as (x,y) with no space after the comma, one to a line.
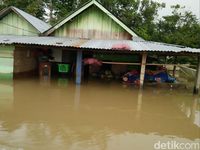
(180,27)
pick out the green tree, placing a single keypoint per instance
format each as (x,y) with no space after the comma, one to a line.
(139,15)
(179,28)
(59,9)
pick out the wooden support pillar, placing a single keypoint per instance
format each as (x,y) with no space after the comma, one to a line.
(174,69)
(197,80)
(143,68)
(165,61)
(78,67)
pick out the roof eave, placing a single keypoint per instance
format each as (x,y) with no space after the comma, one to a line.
(5,11)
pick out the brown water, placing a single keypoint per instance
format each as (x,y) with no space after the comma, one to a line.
(57,115)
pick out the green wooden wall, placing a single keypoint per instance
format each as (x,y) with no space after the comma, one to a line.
(6,61)
(13,24)
(93,24)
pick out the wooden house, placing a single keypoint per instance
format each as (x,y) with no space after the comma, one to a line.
(89,30)
(15,22)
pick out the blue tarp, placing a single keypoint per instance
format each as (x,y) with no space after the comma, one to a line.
(160,77)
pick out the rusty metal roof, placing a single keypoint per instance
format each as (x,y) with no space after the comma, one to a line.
(43,41)
(117,45)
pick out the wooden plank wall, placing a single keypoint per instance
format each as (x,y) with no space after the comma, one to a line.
(92,24)
(12,24)
(25,61)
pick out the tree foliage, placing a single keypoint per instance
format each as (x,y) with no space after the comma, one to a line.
(178,28)
(59,9)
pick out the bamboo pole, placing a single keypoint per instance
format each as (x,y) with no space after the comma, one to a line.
(143,68)
(174,69)
(120,63)
(78,67)
(197,81)
(137,64)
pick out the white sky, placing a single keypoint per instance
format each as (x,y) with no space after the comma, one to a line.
(192,5)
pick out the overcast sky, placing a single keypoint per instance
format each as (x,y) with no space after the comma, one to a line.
(192,5)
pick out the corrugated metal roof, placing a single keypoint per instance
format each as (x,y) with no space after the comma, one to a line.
(37,23)
(45,41)
(126,45)
(40,25)
(138,46)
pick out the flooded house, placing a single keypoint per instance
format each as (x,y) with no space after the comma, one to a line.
(15,22)
(42,109)
(90,40)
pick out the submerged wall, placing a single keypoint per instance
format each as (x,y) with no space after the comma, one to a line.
(6,61)
(24,60)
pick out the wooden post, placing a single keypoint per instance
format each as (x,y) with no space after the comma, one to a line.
(197,81)
(165,61)
(174,69)
(143,68)
(78,67)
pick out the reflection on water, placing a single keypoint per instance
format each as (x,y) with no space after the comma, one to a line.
(6,95)
(77,97)
(36,115)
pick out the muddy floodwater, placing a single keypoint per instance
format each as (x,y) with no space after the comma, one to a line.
(57,115)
